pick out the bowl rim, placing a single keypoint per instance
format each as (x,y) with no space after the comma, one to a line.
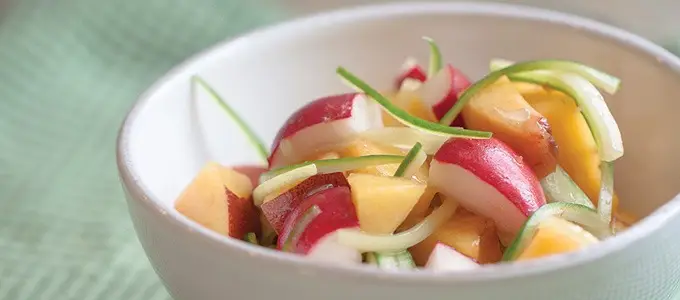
(142,195)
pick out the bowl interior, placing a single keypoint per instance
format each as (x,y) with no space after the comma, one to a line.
(267,75)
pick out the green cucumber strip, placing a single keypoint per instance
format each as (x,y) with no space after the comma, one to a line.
(250,237)
(406,118)
(602,124)
(282,180)
(587,217)
(400,260)
(606,81)
(409,160)
(559,187)
(602,80)
(325,166)
(307,217)
(593,107)
(269,240)
(436,63)
(604,204)
(250,134)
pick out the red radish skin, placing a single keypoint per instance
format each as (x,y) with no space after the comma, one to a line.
(442,90)
(317,239)
(488,178)
(414,72)
(321,125)
(337,212)
(277,210)
(245,220)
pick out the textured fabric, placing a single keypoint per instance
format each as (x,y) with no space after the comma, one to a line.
(69,71)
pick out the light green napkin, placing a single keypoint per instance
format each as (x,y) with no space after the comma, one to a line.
(69,71)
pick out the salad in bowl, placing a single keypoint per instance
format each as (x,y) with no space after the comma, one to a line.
(438,172)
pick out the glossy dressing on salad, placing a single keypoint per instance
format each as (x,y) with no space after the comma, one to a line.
(439,172)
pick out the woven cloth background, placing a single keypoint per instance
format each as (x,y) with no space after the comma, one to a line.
(69,70)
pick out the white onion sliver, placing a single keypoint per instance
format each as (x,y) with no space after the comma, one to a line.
(404,138)
(403,240)
(276,183)
(325,166)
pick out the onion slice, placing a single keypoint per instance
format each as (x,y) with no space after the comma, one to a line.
(576,213)
(285,179)
(403,240)
(414,159)
(325,166)
(404,137)
(404,117)
(587,97)
(559,187)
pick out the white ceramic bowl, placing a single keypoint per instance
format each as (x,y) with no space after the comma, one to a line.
(268,74)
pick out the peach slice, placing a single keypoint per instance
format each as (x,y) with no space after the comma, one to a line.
(501,109)
(554,236)
(469,234)
(383,203)
(219,199)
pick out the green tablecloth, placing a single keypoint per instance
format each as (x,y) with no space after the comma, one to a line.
(69,70)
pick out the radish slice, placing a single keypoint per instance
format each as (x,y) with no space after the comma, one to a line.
(411,76)
(445,258)
(605,81)
(276,183)
(604,204)
(404,137)
(300,226)
(410,84)
(414,159)
(559,187)
(323,125)
(403,240)
(401,260)
(406,118)
(325,166)
(329,250)
(593,107)
(250,134)
(435,58)
(579,214)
